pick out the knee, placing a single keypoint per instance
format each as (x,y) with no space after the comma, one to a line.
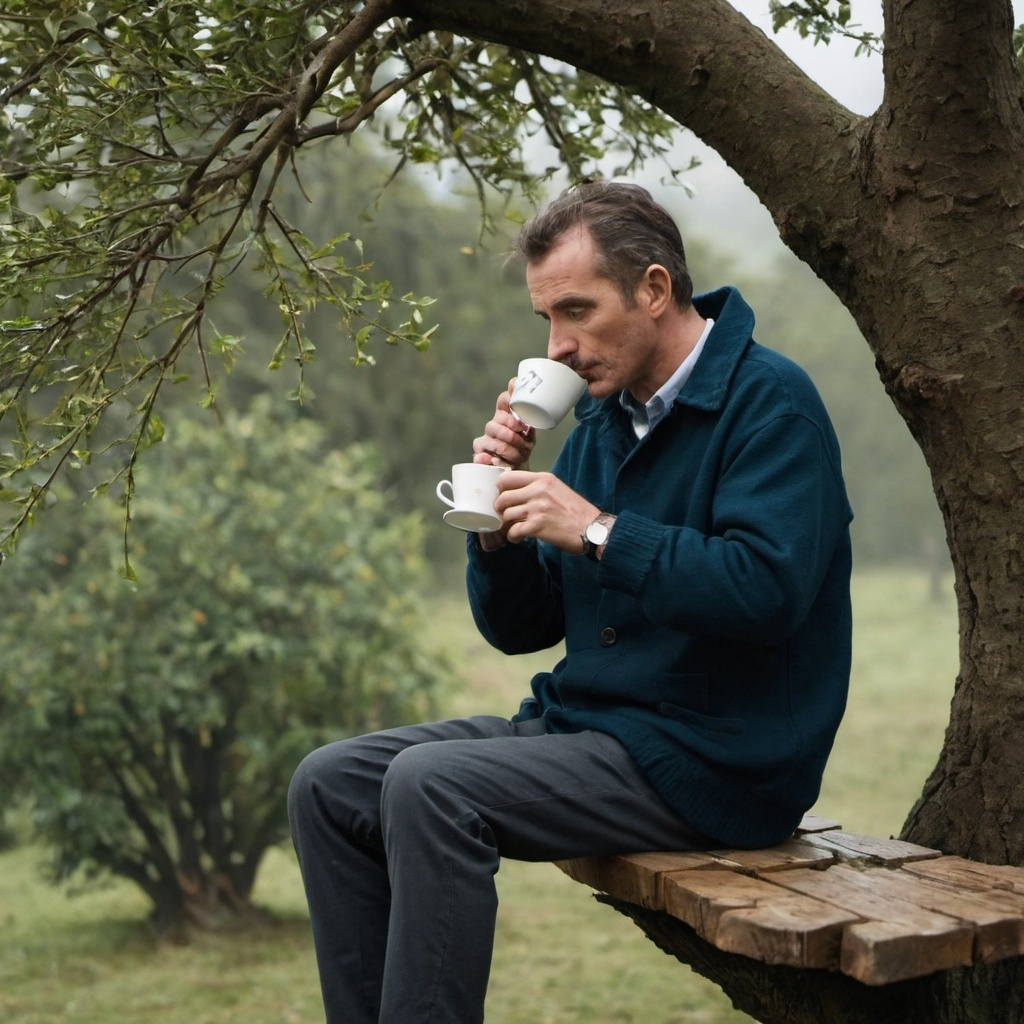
(417,781)
(326,778)
(303,786)
(406,779)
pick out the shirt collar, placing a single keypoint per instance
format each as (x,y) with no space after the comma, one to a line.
(646,416)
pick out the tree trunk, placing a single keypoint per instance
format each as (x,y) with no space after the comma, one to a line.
(913,217)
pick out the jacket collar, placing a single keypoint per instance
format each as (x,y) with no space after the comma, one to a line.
(709,383)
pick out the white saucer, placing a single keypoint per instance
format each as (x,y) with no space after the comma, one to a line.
(470,521)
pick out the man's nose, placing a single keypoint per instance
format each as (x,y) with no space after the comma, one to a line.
(560,343)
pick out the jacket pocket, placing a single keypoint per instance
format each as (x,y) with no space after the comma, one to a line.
(690,690)
(702,723)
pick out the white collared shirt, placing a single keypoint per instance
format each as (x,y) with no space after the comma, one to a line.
(646,416)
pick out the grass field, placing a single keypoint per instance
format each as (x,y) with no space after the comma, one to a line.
(560,955)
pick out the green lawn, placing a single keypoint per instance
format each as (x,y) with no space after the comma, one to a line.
(560,955)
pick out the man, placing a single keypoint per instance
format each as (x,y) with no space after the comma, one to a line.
(692,549)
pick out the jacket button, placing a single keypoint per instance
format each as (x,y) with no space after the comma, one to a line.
(608,636)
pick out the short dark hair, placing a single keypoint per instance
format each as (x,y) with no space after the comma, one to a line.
(630,231)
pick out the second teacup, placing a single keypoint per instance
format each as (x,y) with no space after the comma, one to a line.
(473,490)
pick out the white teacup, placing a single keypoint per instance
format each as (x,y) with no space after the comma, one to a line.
(474,489)
(544,392)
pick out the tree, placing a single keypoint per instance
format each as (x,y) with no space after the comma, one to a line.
(156,142)
(153,725)
(910,215)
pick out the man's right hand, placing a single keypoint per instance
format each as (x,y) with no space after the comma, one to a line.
(507,440)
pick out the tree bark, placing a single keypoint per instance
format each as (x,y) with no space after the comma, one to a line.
(913,217)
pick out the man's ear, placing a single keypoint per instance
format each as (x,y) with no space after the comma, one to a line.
(655,291)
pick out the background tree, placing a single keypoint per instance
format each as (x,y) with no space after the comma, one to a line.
(150,120)
(153,725)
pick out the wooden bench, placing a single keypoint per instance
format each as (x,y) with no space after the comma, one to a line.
(877,910)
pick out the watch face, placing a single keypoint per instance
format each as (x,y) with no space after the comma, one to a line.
(597,534)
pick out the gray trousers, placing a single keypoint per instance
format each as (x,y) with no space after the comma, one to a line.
(399,836)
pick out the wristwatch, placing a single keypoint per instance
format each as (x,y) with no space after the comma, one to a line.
(596,535)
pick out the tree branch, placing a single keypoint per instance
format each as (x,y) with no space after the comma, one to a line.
(700,61)
(349,123)
(306,91)
(159,856)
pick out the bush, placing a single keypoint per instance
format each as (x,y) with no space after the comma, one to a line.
(155,722)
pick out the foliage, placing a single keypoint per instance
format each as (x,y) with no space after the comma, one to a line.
(143,146)
(821,20)
(155,723)
(420,409)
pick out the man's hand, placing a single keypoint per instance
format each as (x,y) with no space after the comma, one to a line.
(542,506)
(507,440)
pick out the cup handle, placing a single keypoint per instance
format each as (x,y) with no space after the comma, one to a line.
(450,502)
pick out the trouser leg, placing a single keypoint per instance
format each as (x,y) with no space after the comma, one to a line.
(448,811)
(334,814)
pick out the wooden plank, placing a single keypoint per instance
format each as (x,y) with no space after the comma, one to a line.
(660,861)
(700,897)
(616,876)
(757,918)
(793,853)
(881,952)
(996,920)
(636,877)
(853,846)
(814,823)
(970,874)
(897,939)
(788,930)
(996,910)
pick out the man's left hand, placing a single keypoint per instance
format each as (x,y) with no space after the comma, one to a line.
(542,506)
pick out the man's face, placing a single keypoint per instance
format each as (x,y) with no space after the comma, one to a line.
(610,345)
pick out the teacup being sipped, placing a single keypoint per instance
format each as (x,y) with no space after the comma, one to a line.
(545,390)
(474,489)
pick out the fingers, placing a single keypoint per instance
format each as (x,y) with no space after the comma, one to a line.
(542,506)
(506,440)
(515,491)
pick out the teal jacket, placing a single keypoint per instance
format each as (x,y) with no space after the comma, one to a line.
(713,637)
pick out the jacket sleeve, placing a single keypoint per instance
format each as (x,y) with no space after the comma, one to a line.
(515,595)
(777,517)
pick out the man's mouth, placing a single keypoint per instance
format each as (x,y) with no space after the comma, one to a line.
(580,369)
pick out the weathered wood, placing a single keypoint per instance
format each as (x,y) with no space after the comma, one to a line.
(755,917)
(852,845)
(968,891)
(636,877)
(882,952)
(793,853)
(969,874)
(881,911)
(815,823)
(896,938)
